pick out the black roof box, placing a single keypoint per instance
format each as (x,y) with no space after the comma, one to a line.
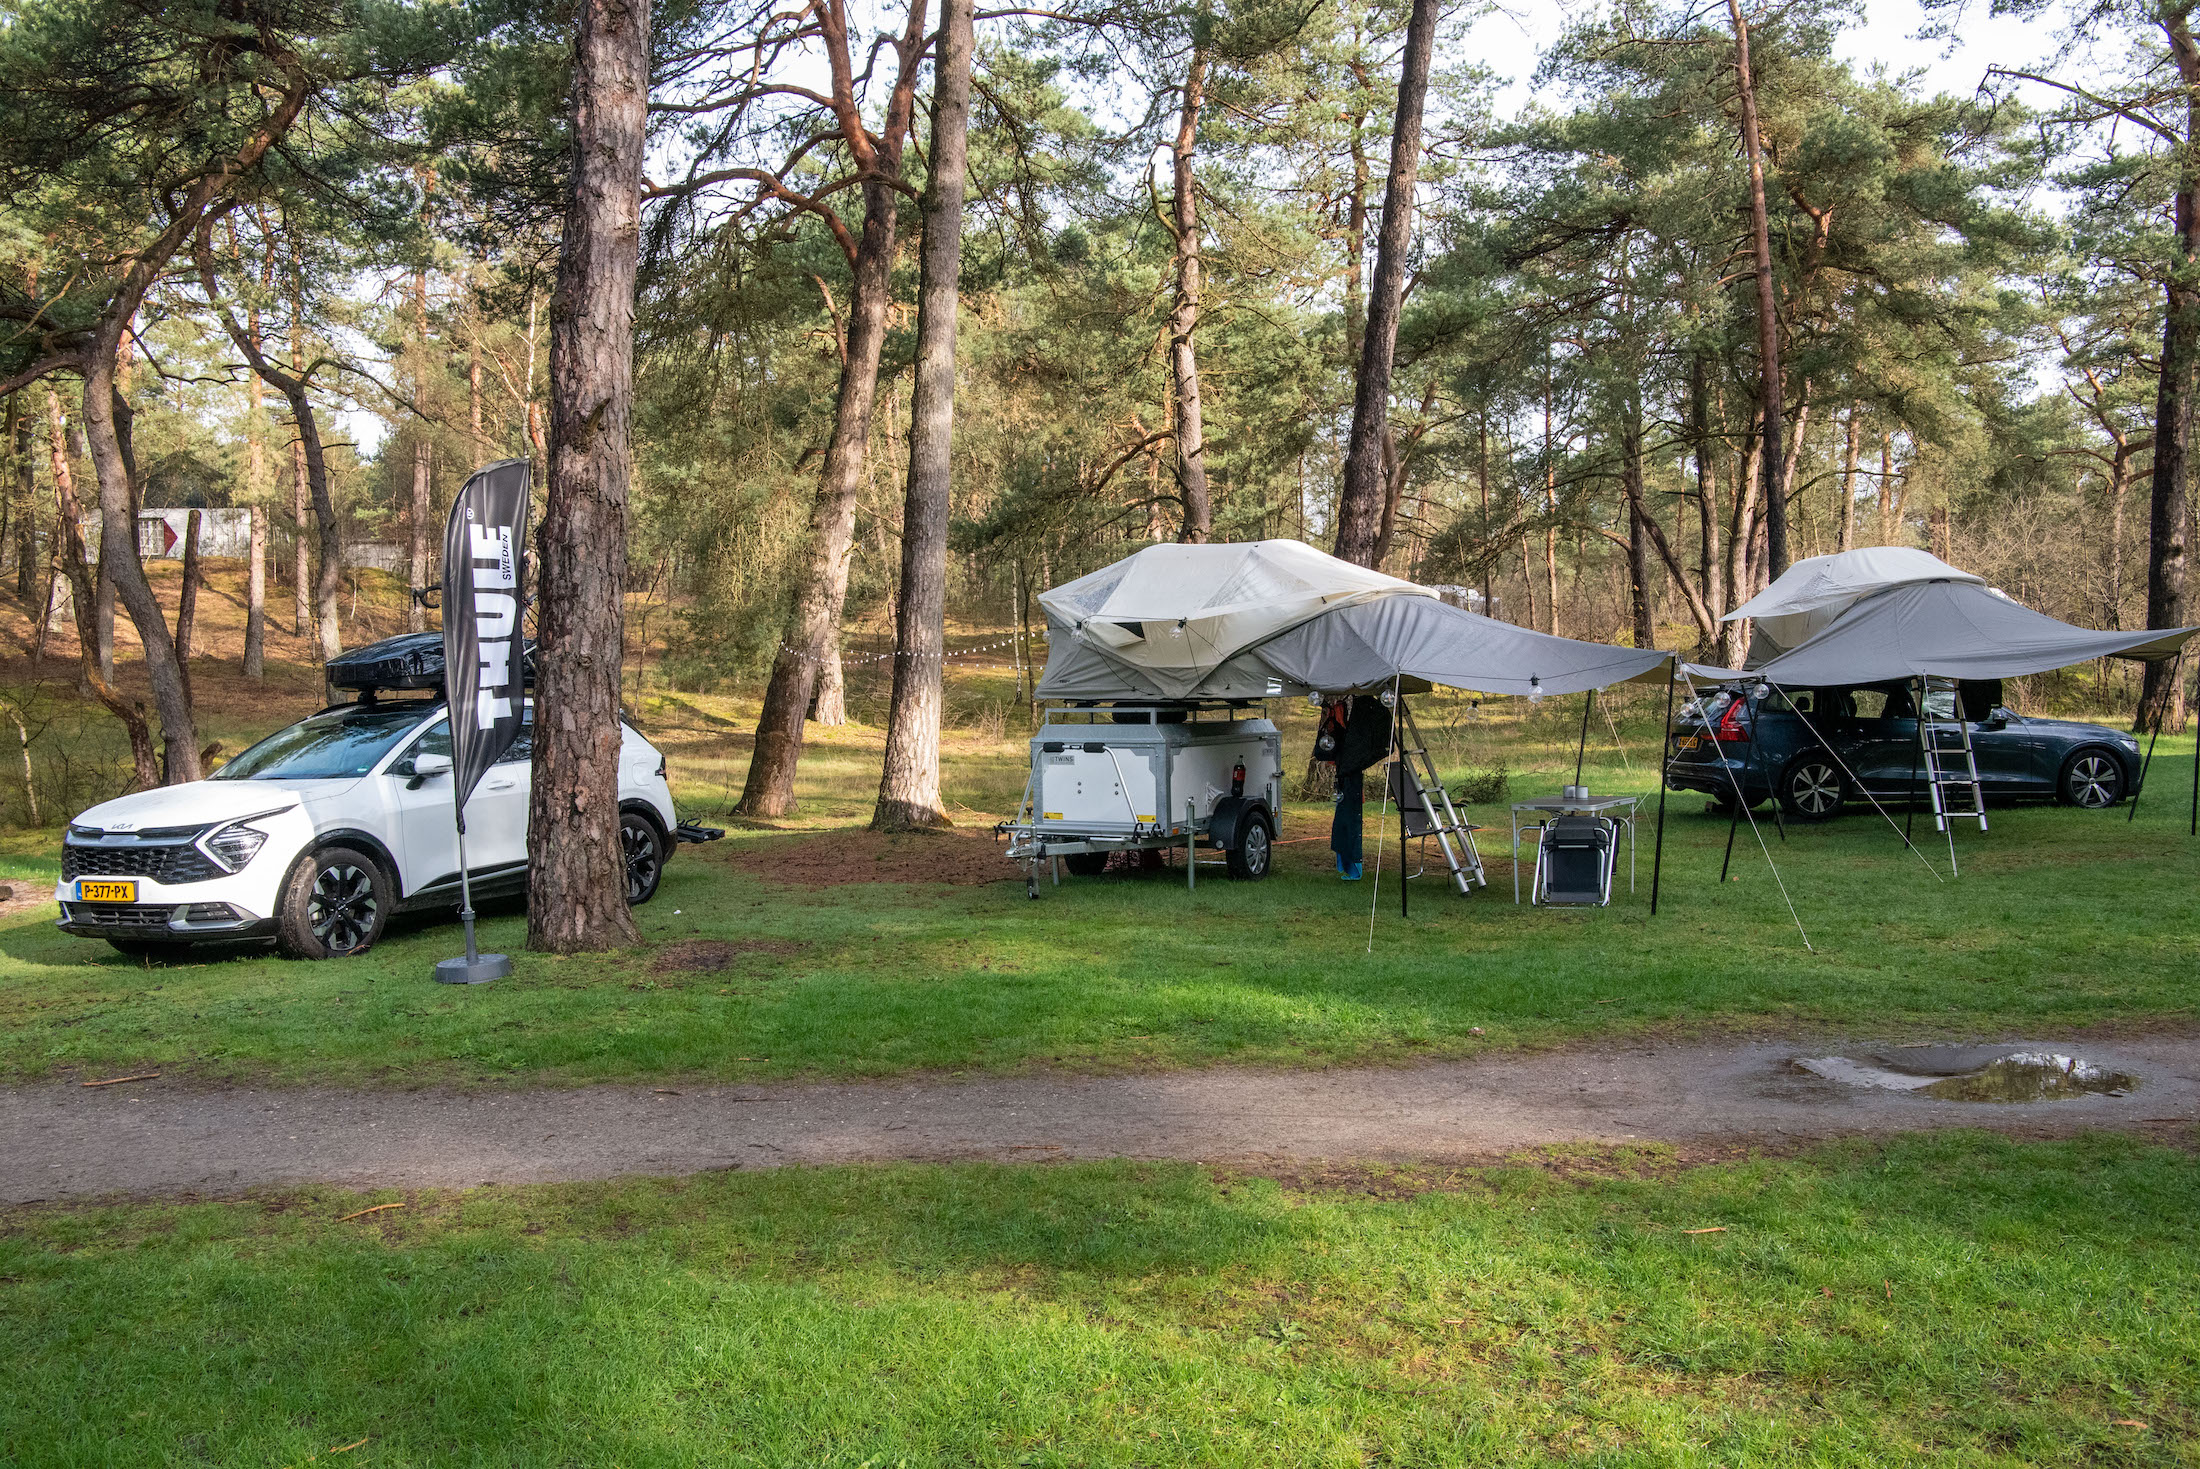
(412,660)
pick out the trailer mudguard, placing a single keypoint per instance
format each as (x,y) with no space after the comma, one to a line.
(1230,815)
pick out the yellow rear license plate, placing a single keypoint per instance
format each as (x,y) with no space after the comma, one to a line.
(1689,742)
(106,892)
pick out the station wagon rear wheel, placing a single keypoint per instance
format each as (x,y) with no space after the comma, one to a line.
(1813,789)
(2092,779)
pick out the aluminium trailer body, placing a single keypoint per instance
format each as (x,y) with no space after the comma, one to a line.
(1149,777)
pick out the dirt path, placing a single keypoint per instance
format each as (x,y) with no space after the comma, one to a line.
(157,1137)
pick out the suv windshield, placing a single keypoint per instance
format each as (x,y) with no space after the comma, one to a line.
(336,745)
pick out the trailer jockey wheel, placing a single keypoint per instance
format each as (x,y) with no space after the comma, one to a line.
(1249,857)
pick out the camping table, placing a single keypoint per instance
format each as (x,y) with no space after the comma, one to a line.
(1622,809)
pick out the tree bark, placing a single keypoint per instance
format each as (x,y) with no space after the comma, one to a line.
(1191,435)
(2161,692)
(416,616)
(1718,642)
(187,598)
(301,571)
(70,560)
(26,487)
(255,602)
(1360,502)
(118,553)
(1845,519)
(1638,559)
(1771,390)
(909,786)
(255,598)
(576,875)
(309,460)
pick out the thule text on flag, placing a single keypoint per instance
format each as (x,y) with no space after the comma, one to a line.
(484,593)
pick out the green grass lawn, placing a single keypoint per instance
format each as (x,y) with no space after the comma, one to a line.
(2061,919)
(1957,1299)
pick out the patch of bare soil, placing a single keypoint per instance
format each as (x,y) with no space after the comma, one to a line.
(959,856)
(21,897)
(710,956)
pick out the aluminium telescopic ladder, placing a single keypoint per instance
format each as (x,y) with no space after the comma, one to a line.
(1436,816)
(1951,764)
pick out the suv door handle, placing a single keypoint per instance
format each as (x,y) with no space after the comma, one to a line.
(502,785)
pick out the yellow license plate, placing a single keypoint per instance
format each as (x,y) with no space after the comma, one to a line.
(1689,742)
(106,892)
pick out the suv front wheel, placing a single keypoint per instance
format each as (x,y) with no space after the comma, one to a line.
(644,851)
(1813,789)
(2092,779)
(334,905)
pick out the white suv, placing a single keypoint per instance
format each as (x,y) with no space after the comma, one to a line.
(317,834)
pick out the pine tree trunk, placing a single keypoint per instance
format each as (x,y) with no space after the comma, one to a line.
(118,555)
(69,559)
(2161,692)
(1845,520)
(255,598)
(1638,551)
(1771,391)
(576,874)
(416,616)
(301,571)
(26,523)
(310,464)
(1191,433)
(909,785)
(822,585)
(187,598)
(829,696)
(1361,500)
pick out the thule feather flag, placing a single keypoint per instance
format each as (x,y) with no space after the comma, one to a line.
(484,647)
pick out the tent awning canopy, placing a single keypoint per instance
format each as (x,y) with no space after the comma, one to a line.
(1953,629)
(1423,644)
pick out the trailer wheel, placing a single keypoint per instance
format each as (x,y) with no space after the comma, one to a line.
(1249,858)
(1086,864)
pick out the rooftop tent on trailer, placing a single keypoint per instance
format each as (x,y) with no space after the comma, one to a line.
(1166,622)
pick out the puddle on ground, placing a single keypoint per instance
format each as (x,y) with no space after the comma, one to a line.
(1974,1073)
(2034,1076)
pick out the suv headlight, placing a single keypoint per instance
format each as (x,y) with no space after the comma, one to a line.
(234,845)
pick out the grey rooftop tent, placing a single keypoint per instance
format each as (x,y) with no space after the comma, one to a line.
(1948,626)
(1268,619)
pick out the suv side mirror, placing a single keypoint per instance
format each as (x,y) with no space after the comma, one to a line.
(425,766)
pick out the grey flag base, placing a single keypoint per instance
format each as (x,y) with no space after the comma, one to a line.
(476,967)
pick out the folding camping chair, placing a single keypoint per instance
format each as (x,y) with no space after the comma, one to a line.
(1574,862)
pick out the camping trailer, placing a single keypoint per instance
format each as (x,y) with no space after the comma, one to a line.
(1148,777)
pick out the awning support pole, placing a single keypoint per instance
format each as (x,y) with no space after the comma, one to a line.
(1398,755)
(1741,791)
(1665,747)
(1588,702)
(1917,750)
(2177,679)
